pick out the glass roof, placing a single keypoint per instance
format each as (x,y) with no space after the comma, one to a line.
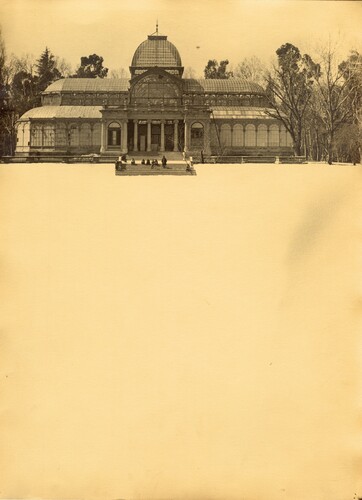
(156,51)
(223,86)
(89,85)
(46,112)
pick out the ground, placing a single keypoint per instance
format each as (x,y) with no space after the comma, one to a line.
(180,337)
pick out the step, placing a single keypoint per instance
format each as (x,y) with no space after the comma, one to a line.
(147,170)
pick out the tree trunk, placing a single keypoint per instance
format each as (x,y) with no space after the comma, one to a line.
(330,149)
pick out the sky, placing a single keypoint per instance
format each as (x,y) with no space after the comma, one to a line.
(201,30)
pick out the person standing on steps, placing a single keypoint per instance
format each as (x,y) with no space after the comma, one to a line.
(164,161)
(118,163)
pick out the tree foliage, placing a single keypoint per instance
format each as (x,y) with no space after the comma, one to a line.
(91,67)
(215,70)
(22,80)
(290,88)
(46,69)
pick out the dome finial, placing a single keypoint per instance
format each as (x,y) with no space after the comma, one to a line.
(156,26)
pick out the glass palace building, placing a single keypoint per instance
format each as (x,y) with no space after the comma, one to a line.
(156,111)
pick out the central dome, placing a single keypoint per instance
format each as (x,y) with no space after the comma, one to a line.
(156,51)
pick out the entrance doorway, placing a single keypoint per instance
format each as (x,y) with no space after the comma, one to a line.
(142,137)
(155,137)
(169,135)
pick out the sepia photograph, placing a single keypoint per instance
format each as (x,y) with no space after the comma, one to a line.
(181,272)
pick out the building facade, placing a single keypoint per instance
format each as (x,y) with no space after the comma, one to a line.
(155,111)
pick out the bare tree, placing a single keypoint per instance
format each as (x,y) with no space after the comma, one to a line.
(338,95)
(189,72)
(252,69)
(26,63)
(119,73)
(2,58)
(63,66)
(7,111)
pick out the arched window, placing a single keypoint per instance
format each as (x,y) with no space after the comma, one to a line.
(197,135)
(283,136)
(225,134)
(85,135)
(36,136)
(48,136)
(262,136)
(73,135)
(250,135)
(274,135)
(61,134)
(114,134)
(96,140)
(26,134)
(238,133)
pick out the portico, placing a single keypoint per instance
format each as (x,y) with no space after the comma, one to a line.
(157,135)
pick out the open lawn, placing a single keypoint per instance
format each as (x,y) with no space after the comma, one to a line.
(180,337)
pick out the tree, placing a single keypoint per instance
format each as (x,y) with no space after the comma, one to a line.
(2,59)
(252,69)
(7,111)
(47,72)
(352,74)
(118,73)
(25,63)
(23,87)
(347,143)
(339,94)
(91,67)
(289,90)
(63,66)
(215,70)
(189,72)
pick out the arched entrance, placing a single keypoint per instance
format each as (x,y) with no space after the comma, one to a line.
(114,135)
(197,135)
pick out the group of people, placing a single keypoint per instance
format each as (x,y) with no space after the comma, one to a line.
(122,160)
(154,162)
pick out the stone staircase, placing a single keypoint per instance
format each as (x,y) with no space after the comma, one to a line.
(173,168)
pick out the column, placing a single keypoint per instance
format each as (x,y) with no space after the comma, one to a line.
(207,137)
(135,135)
(162,147)
(175,135)
(149,135)
(103,137)
(125,136)
(91,133)
(186,148)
